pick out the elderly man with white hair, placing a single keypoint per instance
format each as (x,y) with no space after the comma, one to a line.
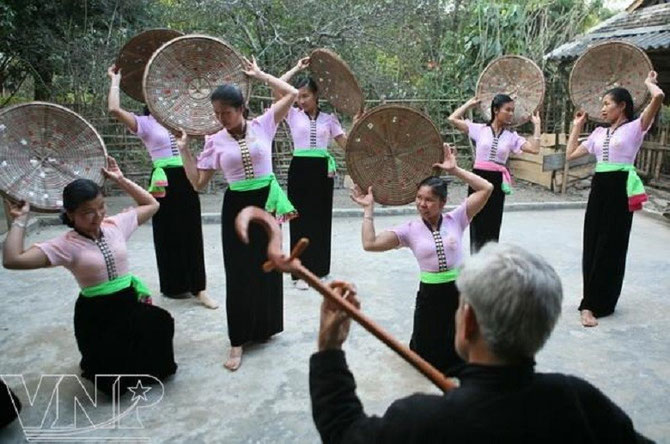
(510,300)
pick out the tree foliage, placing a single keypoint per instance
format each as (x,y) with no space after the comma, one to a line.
(60,46)
(397,49)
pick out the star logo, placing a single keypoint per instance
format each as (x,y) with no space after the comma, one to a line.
(139,391)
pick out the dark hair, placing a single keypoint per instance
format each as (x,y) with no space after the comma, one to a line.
(145,111)
(230,95)
(76,193)
(309,83)
(620,95)
(498,101)
(437,185)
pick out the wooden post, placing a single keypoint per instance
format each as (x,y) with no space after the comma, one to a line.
(566,170)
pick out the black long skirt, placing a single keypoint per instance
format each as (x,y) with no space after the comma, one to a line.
(254,299)
(177,228)
(117,335)
(310,190)
(485,226)
(607,226)
(10,405)
(434,325)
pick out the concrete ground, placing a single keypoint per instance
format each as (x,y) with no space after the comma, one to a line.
(267,400)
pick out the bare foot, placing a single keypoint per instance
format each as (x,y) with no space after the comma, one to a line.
(207,301)
(234,359)
(588,320)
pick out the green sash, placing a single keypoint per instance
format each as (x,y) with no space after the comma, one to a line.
(159,179)
(439,277)
(634,187)
(277,201)
(118,284)
(319,152)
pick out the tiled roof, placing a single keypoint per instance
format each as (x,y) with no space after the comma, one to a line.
(647,28)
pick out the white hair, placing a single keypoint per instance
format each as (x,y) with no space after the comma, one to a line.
(516,296)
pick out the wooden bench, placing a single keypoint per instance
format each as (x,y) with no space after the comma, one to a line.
(583,168)
(545,167)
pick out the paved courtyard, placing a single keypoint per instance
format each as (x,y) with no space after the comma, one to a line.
(267,400)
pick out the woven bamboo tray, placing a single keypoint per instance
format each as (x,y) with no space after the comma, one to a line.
(180,77)
(44,147)
(392,148)
(606,66)
(336,82)
(134,56)
(518,77)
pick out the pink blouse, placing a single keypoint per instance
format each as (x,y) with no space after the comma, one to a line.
(308,133)
(94,262)
(238,160)
(158,141)
(492,149)
(436,250)
(619,146)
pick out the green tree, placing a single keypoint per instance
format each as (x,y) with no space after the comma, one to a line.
(58,43)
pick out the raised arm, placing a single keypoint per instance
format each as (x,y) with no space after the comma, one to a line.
(114,100)
(14,257)
(288,75)
(147,205)
(456,118)
(657,96)
(574,148)
(533,146)
(386,240)
(335,406)
(482,187)
(338,413)
(286,91)
(198,178)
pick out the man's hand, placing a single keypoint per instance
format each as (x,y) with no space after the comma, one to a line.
(335,322)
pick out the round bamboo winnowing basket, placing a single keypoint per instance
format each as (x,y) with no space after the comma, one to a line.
(134,56)
(44,147)
(393,148)
(336,82)
(518,77)
(180,77)
(605,66)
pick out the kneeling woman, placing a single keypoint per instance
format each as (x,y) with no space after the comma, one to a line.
(117,329)
(435,240)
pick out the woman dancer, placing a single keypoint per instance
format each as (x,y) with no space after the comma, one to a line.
(177,227)
(494,142)
(242,150)
(117,329)
(435,240)
(616,192)
(310,175)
